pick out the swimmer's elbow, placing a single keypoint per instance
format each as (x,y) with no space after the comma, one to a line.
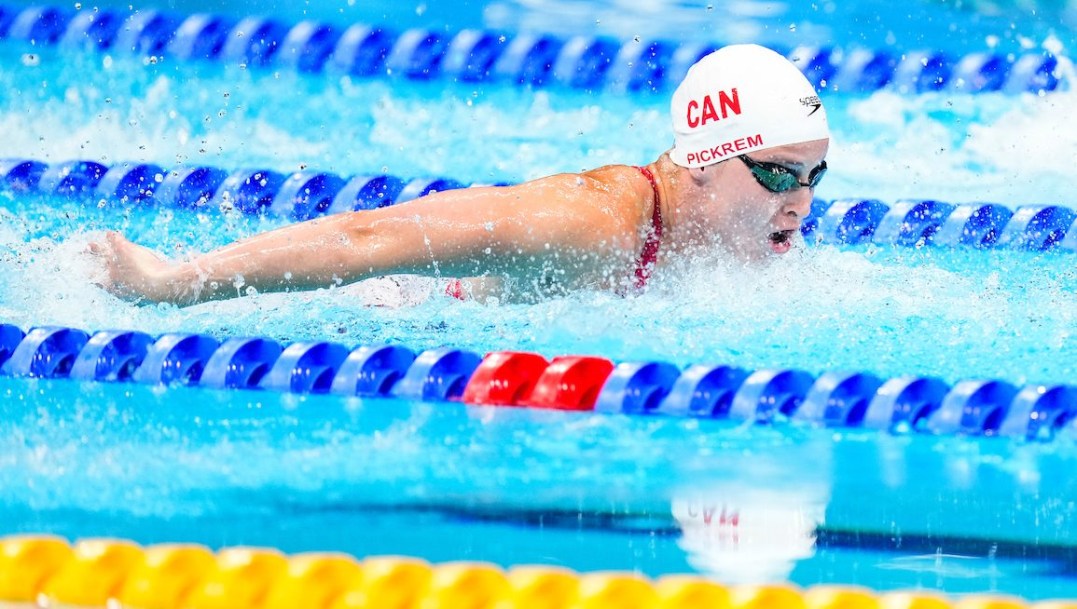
(352,229)
(374,246)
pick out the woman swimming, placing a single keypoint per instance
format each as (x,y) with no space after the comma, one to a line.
(750,138)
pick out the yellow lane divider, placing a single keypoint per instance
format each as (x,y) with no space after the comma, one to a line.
(43,570)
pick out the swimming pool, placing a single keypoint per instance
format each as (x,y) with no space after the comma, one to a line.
(447,482)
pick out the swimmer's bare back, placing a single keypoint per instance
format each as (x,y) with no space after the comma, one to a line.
(578,229)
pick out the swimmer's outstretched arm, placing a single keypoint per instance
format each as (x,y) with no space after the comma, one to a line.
(570,224)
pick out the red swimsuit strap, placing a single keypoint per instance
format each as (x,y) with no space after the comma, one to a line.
(649,255)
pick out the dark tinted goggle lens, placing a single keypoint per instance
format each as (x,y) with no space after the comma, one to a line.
(778,178)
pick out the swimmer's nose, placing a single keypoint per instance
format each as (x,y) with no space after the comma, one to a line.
(798,202)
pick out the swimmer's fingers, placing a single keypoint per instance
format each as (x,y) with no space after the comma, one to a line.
(104,247)
(118,273)
(100,254)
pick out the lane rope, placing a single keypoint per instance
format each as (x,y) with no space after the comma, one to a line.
(477,56)
(907,404)
(307,194)
(99,572)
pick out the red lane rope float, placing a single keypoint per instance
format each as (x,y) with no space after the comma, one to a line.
(924,404)
(569,383)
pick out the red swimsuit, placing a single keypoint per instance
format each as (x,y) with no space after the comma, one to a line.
(647,257)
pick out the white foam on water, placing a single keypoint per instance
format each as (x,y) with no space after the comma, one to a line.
(888,145)
(878,307)
(1010,149)
(881,310)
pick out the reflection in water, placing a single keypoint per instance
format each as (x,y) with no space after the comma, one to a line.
(757,537)
(947,566)
(757,531)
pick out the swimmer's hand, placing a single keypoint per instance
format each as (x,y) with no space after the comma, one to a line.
(133,272)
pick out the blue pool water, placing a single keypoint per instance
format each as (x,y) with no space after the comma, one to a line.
(589,492)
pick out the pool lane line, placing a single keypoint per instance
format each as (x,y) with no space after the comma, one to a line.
(1062,556)
(840,399)
(309,193)
(470,56)
(98,572)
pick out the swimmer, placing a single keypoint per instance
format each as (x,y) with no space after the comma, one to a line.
(750,139)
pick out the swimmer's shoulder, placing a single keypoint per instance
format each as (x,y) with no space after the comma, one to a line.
(619,182)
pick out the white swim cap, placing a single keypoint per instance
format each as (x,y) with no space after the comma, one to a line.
(741,98)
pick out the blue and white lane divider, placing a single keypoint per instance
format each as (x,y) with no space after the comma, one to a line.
(307,194)
(300,196)
(581,62)
(976,407)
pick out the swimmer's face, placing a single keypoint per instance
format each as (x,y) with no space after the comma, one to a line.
(749,219)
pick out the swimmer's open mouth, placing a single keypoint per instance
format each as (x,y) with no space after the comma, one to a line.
(782,236)
(781,241)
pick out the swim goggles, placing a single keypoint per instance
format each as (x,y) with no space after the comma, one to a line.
(779,178)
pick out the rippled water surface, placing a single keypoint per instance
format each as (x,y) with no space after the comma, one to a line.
(952,313)
(591,492)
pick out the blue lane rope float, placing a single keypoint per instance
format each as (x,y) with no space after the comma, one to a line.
(838,399)
(111,355)
(372,371)
(307,194)
(900,402)
(703,391)
(240,363)
(526,59)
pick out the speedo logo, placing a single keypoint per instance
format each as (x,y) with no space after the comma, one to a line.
(812,102)
(702,111)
